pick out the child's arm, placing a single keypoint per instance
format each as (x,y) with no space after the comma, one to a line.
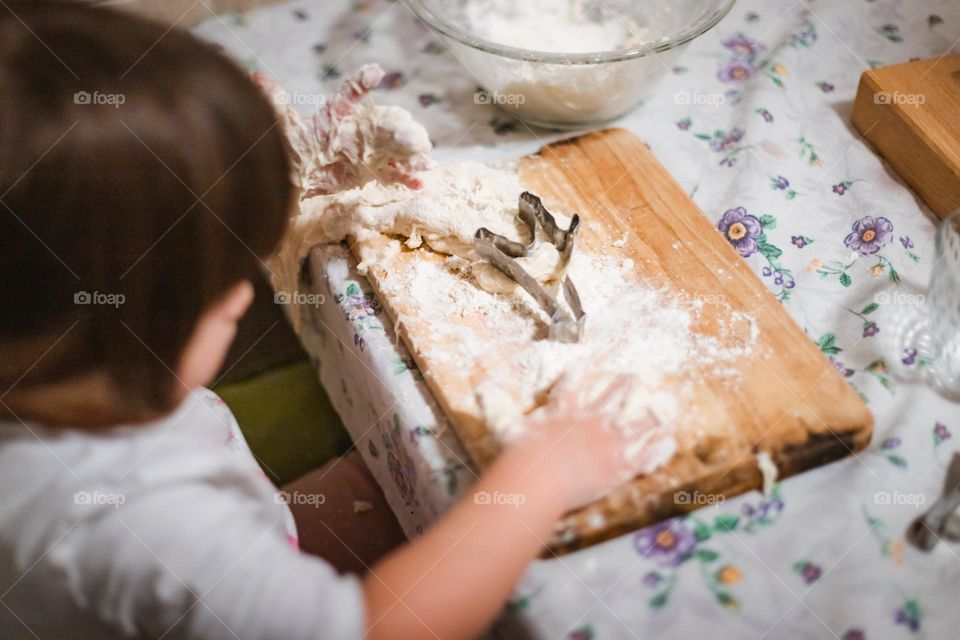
(452,582)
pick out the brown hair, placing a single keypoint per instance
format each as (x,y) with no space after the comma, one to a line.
(142,174)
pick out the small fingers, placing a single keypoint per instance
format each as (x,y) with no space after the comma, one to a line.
(612,398)
(404,176)
(362,82)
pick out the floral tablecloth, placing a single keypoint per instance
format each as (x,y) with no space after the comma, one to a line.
(754,121)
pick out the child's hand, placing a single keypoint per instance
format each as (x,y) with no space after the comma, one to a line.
(592,446)
(347,143)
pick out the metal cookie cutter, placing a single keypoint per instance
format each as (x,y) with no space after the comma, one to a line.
(940,522)
(566,324)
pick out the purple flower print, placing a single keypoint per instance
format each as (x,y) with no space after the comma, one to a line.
(781,183)
(870,329)
(891,32)
(941,433)
(933,20)
(840,367)
(684,124)
(826,87)
(735,71)
(906,242)
(300,15)
(752,16)
(840,188)
(722,141)
(853,634)
(799,241)
(428,99)
(809,571)
(741,230)
(908,615)
(743,46)
(909,357)
(652,579)
(670,542)
(771,507)
(869,235)
(585,633)
(766,115)
(891,443)
(393,80)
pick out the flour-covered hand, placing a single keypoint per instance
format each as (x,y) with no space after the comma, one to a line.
(591,444)
(350,142)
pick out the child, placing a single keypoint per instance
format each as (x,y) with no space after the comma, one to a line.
(143,180)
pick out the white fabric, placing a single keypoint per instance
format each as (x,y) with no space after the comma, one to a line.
(167,529)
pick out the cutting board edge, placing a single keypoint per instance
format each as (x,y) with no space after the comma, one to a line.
(790,461)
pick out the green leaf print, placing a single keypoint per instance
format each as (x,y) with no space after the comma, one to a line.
(726,523)
(827,344)
(706,555)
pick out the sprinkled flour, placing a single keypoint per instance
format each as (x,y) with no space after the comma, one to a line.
(647,333)
(478,320)
(558,26)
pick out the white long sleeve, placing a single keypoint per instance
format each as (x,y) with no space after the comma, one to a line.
(164,530)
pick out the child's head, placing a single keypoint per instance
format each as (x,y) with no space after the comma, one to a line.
(142,179)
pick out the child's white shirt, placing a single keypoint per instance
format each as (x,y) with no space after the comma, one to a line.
(163,530)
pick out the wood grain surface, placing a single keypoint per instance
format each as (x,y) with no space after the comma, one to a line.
(786,399)
(911,113)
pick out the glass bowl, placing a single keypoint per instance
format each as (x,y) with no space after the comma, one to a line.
(565,64)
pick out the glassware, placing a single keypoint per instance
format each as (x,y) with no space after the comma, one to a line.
(924,331)
(569,90)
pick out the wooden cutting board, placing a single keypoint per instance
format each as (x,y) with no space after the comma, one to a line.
(788,401)
(911,113)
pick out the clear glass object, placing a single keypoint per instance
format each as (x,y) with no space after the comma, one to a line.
(568,90)
(923,334)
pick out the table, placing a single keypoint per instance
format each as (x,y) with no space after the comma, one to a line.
(755,114)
